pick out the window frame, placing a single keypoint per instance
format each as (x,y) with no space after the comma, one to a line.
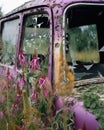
(6,19)
(84,81)
(36,10)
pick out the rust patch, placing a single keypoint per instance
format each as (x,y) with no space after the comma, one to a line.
(65,81)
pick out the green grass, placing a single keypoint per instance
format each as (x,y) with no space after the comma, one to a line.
(87,55)
(84,56)
(93,88)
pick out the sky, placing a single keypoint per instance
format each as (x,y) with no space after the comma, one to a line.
(8,5)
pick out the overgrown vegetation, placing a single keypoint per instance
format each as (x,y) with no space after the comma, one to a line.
(82,42)
(93,103)
(93,98)
(1,13)
(83,38)
(27,101)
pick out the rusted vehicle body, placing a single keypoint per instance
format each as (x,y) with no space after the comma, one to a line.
(45,25)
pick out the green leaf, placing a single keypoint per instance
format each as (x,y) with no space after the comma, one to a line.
(42,107)
(30,74)
(93,105)
(87,104)
(31,127)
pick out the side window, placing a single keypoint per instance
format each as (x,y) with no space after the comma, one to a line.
(83,41)
(9,39)
(36,37)
(84,31)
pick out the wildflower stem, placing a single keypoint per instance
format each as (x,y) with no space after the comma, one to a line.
(7,127)
(26,109)
(8,112)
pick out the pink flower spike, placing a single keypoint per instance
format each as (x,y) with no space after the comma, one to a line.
(45,85)
(46,92)
(22,58)
(2,113)
(9,76)
(23,127)
(19,93)
(42,81)
(15,106)
(34,64)
(23,81)
(1,100)
(34,96)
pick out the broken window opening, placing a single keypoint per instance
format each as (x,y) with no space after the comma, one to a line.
(84,31)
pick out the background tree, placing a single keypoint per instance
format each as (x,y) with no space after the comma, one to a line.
(1,13)
(83,38)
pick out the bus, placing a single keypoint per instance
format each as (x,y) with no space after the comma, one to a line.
(54,28)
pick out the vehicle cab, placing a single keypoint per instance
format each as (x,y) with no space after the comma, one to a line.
(72,29)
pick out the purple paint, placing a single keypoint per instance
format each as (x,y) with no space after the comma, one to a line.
(84,117)
(81,115)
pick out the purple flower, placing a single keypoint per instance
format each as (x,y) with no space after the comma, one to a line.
(1,100)
(9,76)
(23,127)
(42,81)
(46,92)
(22,59)
(2,113)
(34,64)
(34,96)
(44,85)
(19,94)
(15,107)
(22,81)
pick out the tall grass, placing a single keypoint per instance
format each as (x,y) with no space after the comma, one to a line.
(87,56)
(84,56)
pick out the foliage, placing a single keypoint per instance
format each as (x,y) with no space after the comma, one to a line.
(93,98)
(93,103)
(27,101)
(84,36)
(82,42)
(1,13)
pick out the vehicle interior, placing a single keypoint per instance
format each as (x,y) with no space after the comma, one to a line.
(85,40)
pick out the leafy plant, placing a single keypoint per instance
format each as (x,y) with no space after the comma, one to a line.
(28,101)
(93,103)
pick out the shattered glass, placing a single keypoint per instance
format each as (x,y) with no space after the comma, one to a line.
(83,55)
(82,49)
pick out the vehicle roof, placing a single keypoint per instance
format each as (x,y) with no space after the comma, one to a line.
(49,3)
